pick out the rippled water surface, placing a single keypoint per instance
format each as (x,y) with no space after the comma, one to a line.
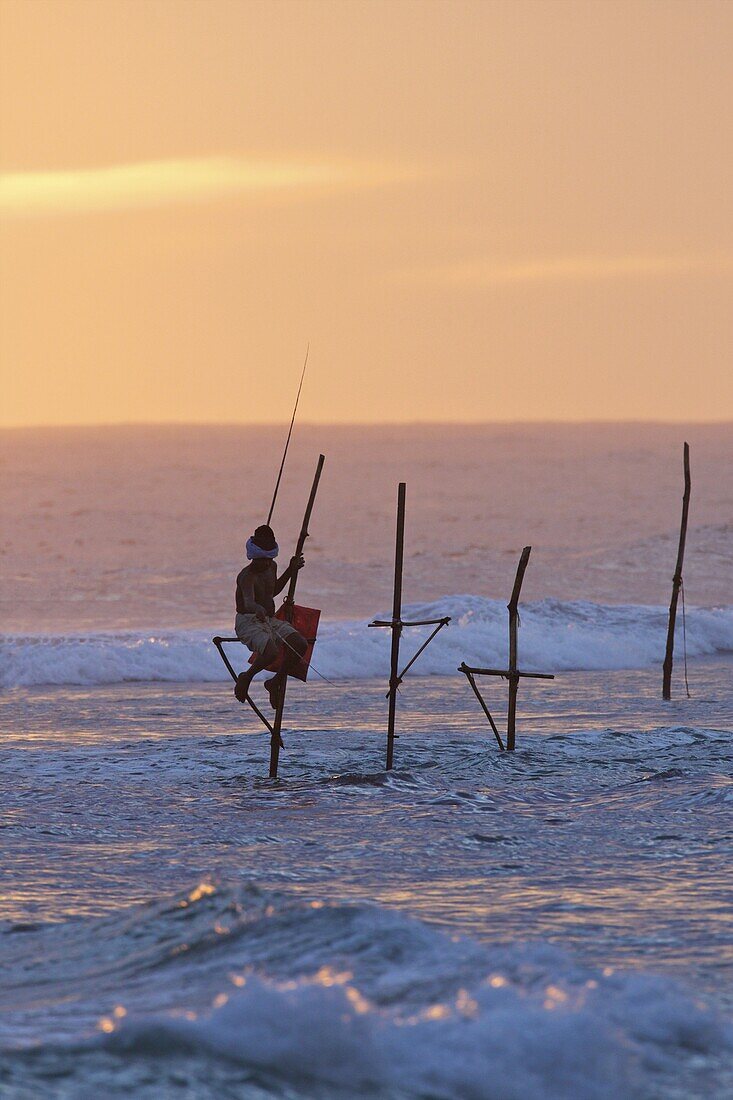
(143,527)
(603,845)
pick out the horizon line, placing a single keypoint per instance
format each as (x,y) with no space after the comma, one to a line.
(417,423)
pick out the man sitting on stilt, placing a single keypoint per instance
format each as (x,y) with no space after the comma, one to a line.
(256,625)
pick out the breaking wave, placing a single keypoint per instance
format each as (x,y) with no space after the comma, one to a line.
(555,636)
(357,999)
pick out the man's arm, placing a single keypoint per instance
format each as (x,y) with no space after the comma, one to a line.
(282,580)
(251,607)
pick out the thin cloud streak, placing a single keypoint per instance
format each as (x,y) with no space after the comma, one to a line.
(162,182)
(573,269)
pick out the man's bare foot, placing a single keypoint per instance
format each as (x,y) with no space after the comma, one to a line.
(273,690)
(241,688)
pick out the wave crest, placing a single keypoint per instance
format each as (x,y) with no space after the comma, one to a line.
(556,635)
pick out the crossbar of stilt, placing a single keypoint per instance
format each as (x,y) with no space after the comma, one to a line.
(409,622)
(507,672)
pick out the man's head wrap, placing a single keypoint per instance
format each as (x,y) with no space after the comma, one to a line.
(262,544)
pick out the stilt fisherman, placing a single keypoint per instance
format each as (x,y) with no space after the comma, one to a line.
(256,625)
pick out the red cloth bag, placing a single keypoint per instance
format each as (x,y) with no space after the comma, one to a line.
(305,620)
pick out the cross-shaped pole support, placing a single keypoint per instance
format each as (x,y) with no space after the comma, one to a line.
(396,624)
(511,674)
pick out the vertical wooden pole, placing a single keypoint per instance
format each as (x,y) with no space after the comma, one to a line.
(275,739)
(676,582)
(513,608)
(396,622)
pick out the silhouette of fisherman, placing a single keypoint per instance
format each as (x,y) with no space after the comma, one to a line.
(255,624)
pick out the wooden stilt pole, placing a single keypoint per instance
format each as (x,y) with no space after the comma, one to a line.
(676,582)
(511,720)
(275,740)
(394,677)
(396,624)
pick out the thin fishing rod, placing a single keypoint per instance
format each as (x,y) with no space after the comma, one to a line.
(287,441)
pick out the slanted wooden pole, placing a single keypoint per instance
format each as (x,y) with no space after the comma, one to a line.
(511,718)
(463,667)
(275,739)
(394,671)
(676,581)
(219,643)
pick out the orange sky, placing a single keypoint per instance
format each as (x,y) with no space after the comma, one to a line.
(473,211)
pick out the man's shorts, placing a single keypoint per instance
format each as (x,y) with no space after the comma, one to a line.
(257,635)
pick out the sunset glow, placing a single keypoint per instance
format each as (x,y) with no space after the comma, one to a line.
(159,182)
(528,198)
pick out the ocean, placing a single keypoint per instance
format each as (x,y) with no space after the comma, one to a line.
(550,923)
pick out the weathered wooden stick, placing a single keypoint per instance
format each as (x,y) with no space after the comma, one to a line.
(394,680)
(275,740)
(400,624)
(506,673)
(218,642)
(511,718)
(676,581)
(410,622)
(469,676)
(423,647)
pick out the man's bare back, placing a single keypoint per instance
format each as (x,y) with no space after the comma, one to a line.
(257,588)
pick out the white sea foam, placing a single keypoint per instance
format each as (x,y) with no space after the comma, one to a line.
(555,636)
(393,1006)
(332,1035)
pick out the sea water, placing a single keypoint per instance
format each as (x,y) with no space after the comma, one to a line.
(552,923)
